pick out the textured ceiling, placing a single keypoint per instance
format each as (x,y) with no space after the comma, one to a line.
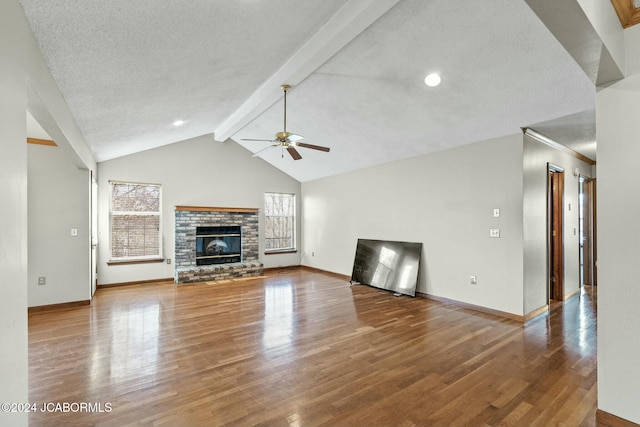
(129,69)
(576,131)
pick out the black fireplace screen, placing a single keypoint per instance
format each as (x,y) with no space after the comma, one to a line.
(218,245)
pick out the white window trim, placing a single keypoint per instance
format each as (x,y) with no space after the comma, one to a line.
(159,256)
(294,224)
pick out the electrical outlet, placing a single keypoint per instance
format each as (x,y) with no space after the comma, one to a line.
(42,280)
(474,280)
(168,260)
(494,232)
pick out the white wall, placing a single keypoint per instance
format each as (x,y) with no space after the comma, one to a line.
(618,249)
(535,158)
(13,213)
(444,200)
(195,172)
(59,200)
(606,23)
(22,65)
(632,49)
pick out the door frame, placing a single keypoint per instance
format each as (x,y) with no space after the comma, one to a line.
(93,234)
(588,232)
(555,247)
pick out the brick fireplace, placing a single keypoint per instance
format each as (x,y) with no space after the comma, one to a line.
(189,223)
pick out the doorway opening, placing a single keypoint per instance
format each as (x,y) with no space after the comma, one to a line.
(588,232)
(94,234)
(555,227)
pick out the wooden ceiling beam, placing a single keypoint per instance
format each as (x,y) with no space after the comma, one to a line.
(41,142)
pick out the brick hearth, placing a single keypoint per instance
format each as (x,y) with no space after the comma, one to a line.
(189,217)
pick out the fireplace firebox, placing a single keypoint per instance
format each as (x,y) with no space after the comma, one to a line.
(218,245)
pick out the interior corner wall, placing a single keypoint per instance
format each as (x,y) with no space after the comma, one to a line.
(632,38)
(195,172)
(444,200)
(13,212)
(536,156)
(605,21)
(59,200)
(618,249)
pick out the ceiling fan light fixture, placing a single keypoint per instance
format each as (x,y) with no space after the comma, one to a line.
(288,140)
(432,80)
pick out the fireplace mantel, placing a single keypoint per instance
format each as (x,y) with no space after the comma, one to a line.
(216,209)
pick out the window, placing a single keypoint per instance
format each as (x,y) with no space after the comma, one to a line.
(135,221)
(280,222)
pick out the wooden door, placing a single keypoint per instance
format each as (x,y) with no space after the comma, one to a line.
(555,238)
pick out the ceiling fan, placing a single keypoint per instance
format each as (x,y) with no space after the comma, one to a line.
(287,140)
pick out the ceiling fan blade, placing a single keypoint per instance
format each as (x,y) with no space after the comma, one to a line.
(294,153)
(263,140)
(264,149)
(294,138)
(313,147)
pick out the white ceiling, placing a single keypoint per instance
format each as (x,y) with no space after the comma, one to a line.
(129,69)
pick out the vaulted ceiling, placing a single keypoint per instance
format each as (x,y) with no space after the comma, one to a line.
(129,69)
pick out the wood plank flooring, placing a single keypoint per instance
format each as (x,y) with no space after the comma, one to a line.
(304,348)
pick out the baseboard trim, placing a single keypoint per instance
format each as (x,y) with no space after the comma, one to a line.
(330,273)
(474,307)
(137,282)
(605,419)
(537,312)
(282,269)
(572,294)
(60,306)
(286,268)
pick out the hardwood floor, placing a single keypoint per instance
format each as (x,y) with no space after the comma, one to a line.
(302,349)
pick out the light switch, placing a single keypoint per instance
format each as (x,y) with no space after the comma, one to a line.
(74,232)
(496,212)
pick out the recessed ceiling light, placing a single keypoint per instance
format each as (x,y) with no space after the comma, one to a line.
(178,123)
(432,80)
